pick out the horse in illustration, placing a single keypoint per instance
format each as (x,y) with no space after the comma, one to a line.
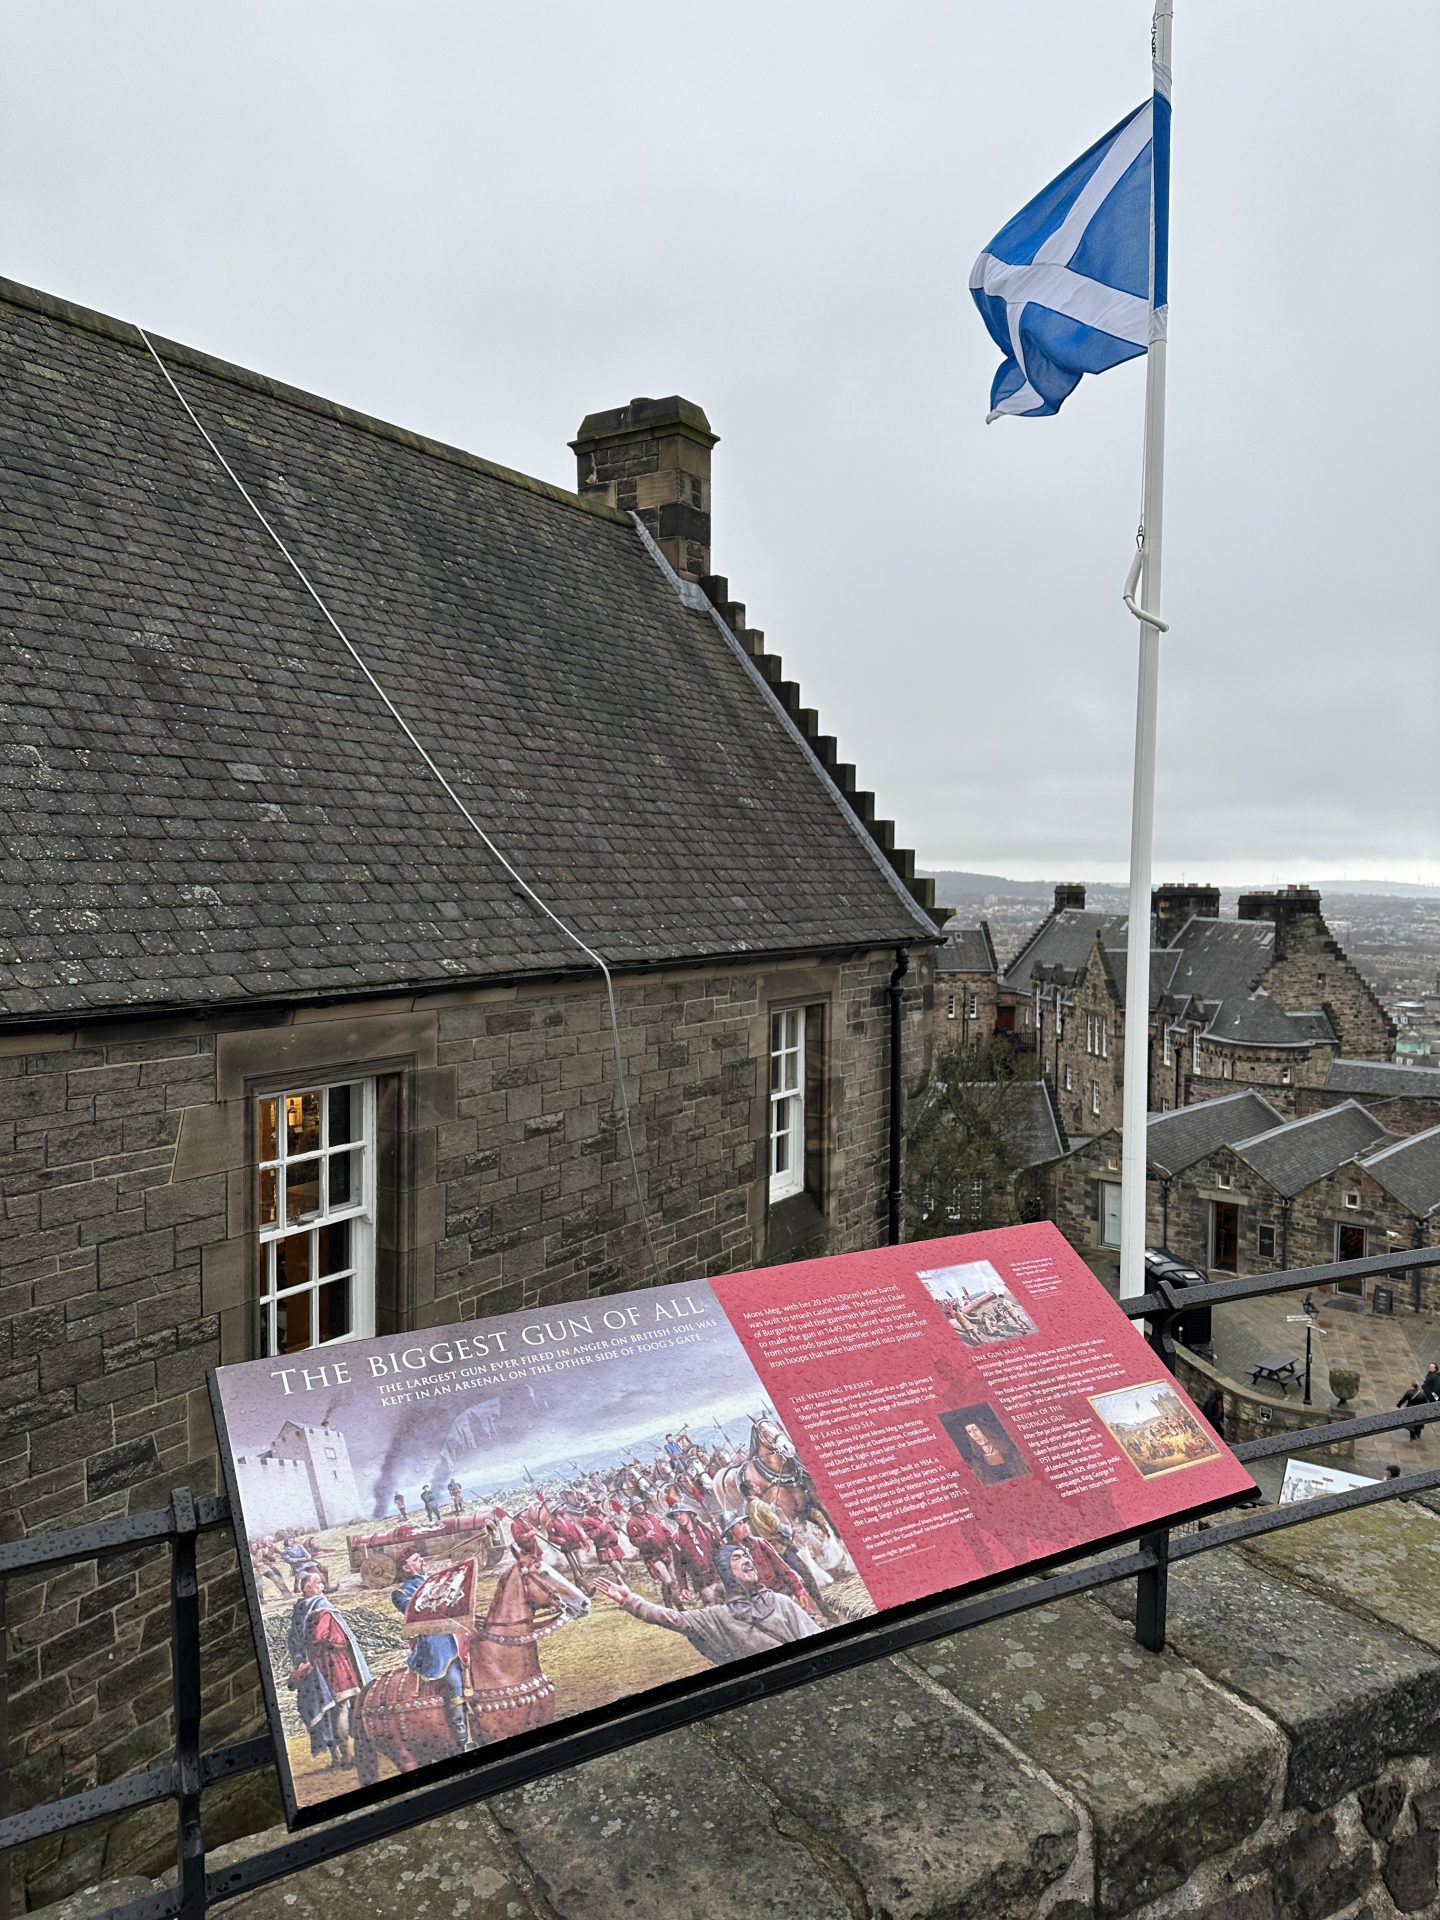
(400,1717)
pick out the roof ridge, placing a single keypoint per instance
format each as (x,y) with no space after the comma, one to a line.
(1305,1119)
(1367,1158)
(177,353)
(1219,1100)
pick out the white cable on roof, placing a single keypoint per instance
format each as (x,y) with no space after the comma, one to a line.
(471,821)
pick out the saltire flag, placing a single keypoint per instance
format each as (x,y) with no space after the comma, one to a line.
(1064,287)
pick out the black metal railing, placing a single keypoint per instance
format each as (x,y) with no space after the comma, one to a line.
(184,1778)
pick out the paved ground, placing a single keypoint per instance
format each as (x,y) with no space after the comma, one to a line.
(1388,1352)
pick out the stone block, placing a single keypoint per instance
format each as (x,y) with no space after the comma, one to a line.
(654,1831)
(212,1140)
(1273,1644)
(1170,1771)
(120,1467)
(1410,1870)
(929,1814)
(1382,1561)
(186,1200)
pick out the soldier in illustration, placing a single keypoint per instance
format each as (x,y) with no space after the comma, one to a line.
(457,1496)
(327,1670)
(749,1620)
(654,1541)
(265,1562)
(400,1505)
(431,1502)
(696,1544)
(435,1656)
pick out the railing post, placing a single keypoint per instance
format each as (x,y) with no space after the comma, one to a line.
(185,1641)
(1152,1591)
(1158,1326)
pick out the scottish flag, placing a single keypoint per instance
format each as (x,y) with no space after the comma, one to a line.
(1064,288)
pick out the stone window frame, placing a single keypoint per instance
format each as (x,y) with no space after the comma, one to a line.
(1095,1096)
(257,1059)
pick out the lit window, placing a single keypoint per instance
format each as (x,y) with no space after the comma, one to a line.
(950,1007)
(787,1103)
(1094,1096)
(315,1163)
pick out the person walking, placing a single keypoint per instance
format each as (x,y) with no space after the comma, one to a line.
(1413,1396)
(1430,1385)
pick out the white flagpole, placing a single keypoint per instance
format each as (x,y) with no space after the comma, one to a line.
(1142,816)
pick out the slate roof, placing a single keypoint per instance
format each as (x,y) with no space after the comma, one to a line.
(1162,965)
(1220,963)
(1410,1169)
(206,802)
(1383,1078)
(1174,1141)
(1034,1135)
(967,950)
(1294,1156)
(1064,940)
(1314,1028)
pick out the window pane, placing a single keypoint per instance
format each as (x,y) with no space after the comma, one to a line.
(302,1123)
(267,1197)
(333,1303)
(293,1265)
(268,1149)
(345,1182)
(775,1073)
(343,1115)
(292,1320)
(302,1192)
(334,1248)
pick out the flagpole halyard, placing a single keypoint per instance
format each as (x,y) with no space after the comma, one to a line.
(1136,1099)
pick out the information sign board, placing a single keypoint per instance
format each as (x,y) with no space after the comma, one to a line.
(454,1537)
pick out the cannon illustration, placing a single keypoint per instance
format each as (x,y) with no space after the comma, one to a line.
(376,1557)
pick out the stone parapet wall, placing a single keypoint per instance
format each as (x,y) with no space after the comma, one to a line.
(1278,1762)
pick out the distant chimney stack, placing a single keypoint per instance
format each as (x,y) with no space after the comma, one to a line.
(1290,909)
(653,458)
(1069,893)
(1173,904)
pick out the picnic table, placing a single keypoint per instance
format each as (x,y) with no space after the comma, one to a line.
(1277,1368)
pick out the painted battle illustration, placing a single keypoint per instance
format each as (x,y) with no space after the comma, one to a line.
(466,1538)
(975,1300)
(1156,1431)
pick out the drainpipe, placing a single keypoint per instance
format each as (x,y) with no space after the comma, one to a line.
(897,1007)
(1285,1206)
(1165,1211)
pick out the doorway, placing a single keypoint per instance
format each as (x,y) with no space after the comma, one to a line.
(1109,1213)
(1224,1235)
(1349,1245)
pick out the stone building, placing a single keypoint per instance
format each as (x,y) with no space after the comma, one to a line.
(1237,1189)
(1267,1000)
(1406,1099)
(966,975)
(288,1052)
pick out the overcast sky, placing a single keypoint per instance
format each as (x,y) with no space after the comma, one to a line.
(484,222)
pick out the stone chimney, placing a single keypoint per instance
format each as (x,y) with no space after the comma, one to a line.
(1068,893)
(653,458)
(1174,903)
(1295,912)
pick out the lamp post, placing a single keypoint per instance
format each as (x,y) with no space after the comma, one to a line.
(1307,1307)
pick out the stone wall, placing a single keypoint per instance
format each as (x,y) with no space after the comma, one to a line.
(962,1028)
(1400,1113)
(127,1263)
(1280,1761)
